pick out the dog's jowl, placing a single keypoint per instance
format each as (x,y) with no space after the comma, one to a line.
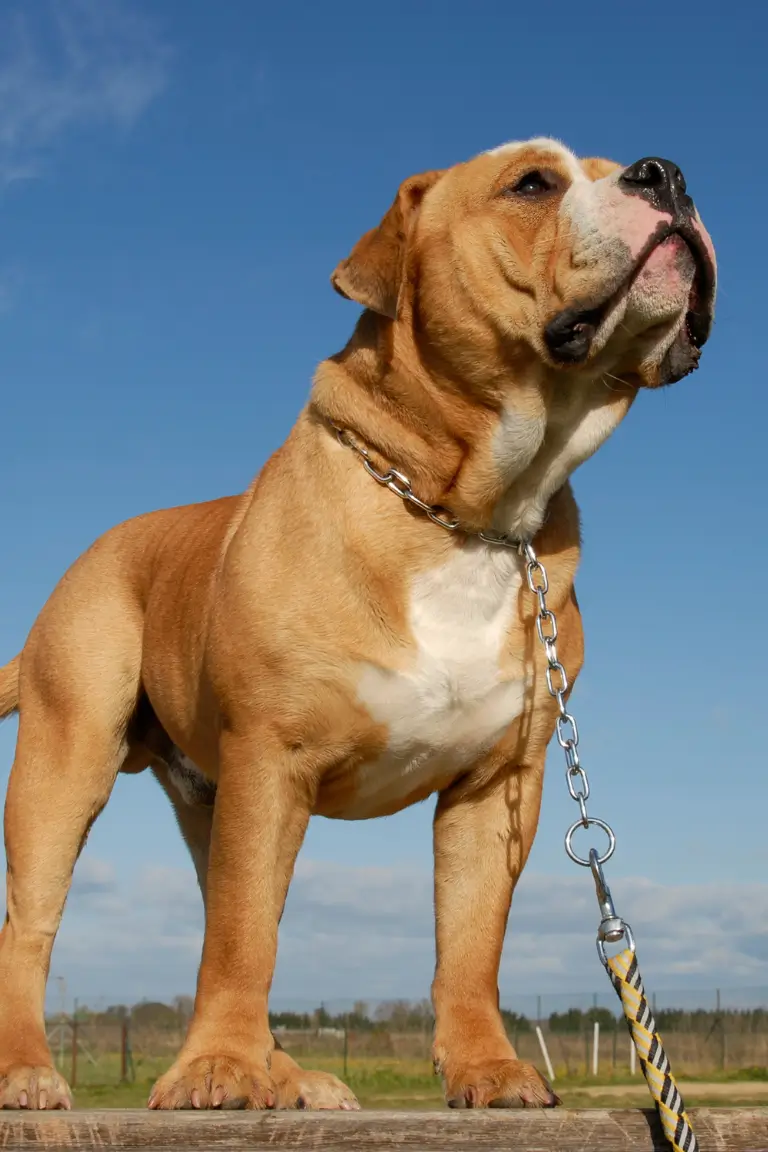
(317,645)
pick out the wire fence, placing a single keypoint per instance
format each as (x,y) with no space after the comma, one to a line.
(710,1033)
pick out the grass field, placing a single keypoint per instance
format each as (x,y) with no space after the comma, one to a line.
(382,1084)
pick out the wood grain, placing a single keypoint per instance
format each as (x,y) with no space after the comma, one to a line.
(718,1130)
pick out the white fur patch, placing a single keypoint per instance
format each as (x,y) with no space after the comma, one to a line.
(516,441)
(452,703)
(193,787)
(580,420)
(546,144)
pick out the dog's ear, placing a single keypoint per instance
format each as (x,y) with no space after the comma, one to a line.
(372,273)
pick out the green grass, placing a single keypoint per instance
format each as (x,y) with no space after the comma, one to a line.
(113,1095)
(403,1084)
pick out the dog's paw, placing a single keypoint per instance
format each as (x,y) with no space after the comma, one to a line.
(498,1084)
(27,1086)
(213,1082)
(316,1091)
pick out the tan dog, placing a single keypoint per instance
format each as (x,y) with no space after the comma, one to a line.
(317,646)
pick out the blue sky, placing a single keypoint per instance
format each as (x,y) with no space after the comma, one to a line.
(177,183)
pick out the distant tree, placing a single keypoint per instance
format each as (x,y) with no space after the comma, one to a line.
(602,1016)
(153,1014)
(296,1021)
(570,1021)
(184,1007)
(405,1016)
(358,1020)
(514,1022)
(323,1018)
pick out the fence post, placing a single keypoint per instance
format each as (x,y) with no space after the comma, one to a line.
(131,1070)
(545,1053)
(124,1050)
(73,1071)
(346,1045)
(721,1022)
(596,1049)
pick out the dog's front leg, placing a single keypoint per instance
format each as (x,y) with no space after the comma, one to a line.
(482,840)
(263,804)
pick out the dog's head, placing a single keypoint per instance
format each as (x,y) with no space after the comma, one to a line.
(528,252)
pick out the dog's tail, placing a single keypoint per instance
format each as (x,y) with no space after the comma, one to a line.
(9,688)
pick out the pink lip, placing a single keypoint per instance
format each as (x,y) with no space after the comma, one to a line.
(641,223)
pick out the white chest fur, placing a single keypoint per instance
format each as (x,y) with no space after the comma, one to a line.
(452,702)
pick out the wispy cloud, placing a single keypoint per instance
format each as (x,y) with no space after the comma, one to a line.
(65,65)
(368,932)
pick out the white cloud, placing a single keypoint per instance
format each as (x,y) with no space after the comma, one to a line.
(367,933)
(93,877)
(70,64)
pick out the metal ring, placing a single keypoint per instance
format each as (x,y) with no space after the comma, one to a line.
(570,775)
(502,539)
(630,943)
(413,499)
(549,617)
(595,823)
(572,759)
(379,477)
(557,692)
(567,741)
(436,513)
(393,478)
(535,570)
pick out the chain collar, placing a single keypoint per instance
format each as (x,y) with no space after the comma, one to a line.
(398,483)
(612,927)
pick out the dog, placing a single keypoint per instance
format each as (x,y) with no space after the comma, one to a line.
(319,645)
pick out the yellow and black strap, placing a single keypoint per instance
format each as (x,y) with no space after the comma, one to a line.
(626,979)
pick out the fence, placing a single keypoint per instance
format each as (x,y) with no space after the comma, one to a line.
(707,1033)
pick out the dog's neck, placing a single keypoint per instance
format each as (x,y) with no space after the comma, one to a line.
(493,450)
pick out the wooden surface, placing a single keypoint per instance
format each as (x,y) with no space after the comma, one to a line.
(718,1130)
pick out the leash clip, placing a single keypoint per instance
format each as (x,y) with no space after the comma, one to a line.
(612,928)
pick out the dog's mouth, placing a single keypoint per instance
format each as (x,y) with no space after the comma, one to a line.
(572,333)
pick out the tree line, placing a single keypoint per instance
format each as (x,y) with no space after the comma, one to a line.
(410,1016)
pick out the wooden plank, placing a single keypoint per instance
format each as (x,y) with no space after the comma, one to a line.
(718,1130)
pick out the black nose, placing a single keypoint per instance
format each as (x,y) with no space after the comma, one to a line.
(659,181)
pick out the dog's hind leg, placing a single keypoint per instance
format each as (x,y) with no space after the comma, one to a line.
(295,1087)
(78,687)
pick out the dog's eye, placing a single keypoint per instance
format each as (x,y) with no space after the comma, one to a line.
(533,184)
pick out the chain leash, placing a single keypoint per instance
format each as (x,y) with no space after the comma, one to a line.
(612,928)
(623,968)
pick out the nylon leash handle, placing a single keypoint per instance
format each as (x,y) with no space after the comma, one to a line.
(625,977)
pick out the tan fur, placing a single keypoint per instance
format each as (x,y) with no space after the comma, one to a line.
(9,687)
(265,637)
